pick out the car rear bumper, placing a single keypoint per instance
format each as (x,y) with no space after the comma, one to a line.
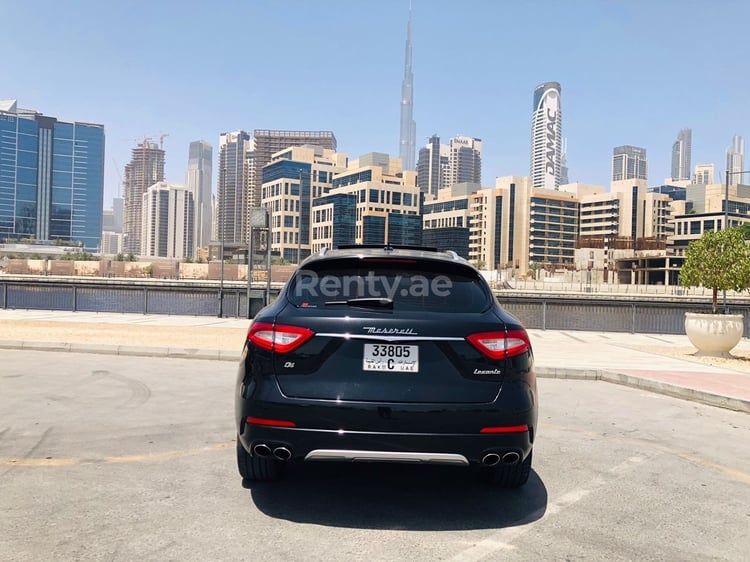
(340,445)
(447,433)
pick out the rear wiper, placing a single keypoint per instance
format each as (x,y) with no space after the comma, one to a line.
(364,301)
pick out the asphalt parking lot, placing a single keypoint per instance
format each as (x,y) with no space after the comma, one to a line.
(120,458)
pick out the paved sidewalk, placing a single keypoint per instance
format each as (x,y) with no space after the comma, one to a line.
(658,363)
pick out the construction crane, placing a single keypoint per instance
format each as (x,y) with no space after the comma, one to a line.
(146,139)
(142,141)
(119,175)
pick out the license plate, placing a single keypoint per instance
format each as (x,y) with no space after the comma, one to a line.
(391,358)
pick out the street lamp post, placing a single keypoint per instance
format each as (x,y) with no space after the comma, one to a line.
(299,221)
(267,218)
(726,227)
(221,280)
(222,222)
(249,268)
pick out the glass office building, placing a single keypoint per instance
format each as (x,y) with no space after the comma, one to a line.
(51,179)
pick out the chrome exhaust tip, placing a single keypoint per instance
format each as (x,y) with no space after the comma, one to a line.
(490,459)
(511,458)
(262,450)
(282,453)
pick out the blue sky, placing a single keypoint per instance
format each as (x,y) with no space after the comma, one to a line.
(631,72)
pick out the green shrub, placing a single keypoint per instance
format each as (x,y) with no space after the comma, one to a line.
(719,261)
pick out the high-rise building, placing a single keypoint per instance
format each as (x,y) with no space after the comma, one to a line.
(628,163)
(681,154)
(432,167)
(490,230)
(111,243)
(51,178)
(553,224)
(167,221)
(703,209)
(704,173)
(112,228)
(446,219)
(198,182)
(232,186)
(146,167)
(441,166)
(293,179)
(546,136)
(735,160)
(108,220)
(564,179)
(408,136)
(464,161)
(265,143)
(118,213)
(386,201)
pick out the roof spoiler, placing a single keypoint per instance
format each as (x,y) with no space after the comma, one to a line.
(386,247)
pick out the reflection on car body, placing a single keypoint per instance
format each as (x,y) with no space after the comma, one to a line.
(415,332)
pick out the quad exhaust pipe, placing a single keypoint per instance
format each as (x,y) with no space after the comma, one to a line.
(282,453)
(262,450)
(265,450)
(511,458)
(491,459)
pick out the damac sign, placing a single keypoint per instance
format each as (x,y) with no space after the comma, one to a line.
(551,107)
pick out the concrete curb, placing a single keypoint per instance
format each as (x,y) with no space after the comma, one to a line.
(650,385)
(676,391)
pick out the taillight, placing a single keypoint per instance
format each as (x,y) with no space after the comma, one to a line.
(505,429)
(272,423)
(501,345)
(278,338)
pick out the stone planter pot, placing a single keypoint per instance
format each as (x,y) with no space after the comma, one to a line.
(714,334)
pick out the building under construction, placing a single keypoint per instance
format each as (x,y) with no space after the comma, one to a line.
(241,162)
(146,167)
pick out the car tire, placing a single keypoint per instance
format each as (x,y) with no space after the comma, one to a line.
(508,476)
(254,468)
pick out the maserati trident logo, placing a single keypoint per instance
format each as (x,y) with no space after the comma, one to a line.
(389,331)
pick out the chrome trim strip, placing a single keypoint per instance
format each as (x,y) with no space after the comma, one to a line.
(387,456)
(387,338)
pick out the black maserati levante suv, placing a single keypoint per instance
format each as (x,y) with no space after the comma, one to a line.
(386,355)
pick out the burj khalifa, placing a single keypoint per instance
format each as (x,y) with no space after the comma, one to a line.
(407,142)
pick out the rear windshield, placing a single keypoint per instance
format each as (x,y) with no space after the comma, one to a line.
(409,284)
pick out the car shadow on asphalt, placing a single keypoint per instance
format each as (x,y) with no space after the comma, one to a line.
(397,497)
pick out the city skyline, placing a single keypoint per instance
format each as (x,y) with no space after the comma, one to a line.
(484,94)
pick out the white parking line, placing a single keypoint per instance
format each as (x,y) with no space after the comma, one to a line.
(502,539)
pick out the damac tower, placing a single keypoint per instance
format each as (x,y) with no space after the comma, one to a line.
(546,136)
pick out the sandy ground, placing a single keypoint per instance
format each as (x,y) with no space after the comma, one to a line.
(230,339)
(738,359)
